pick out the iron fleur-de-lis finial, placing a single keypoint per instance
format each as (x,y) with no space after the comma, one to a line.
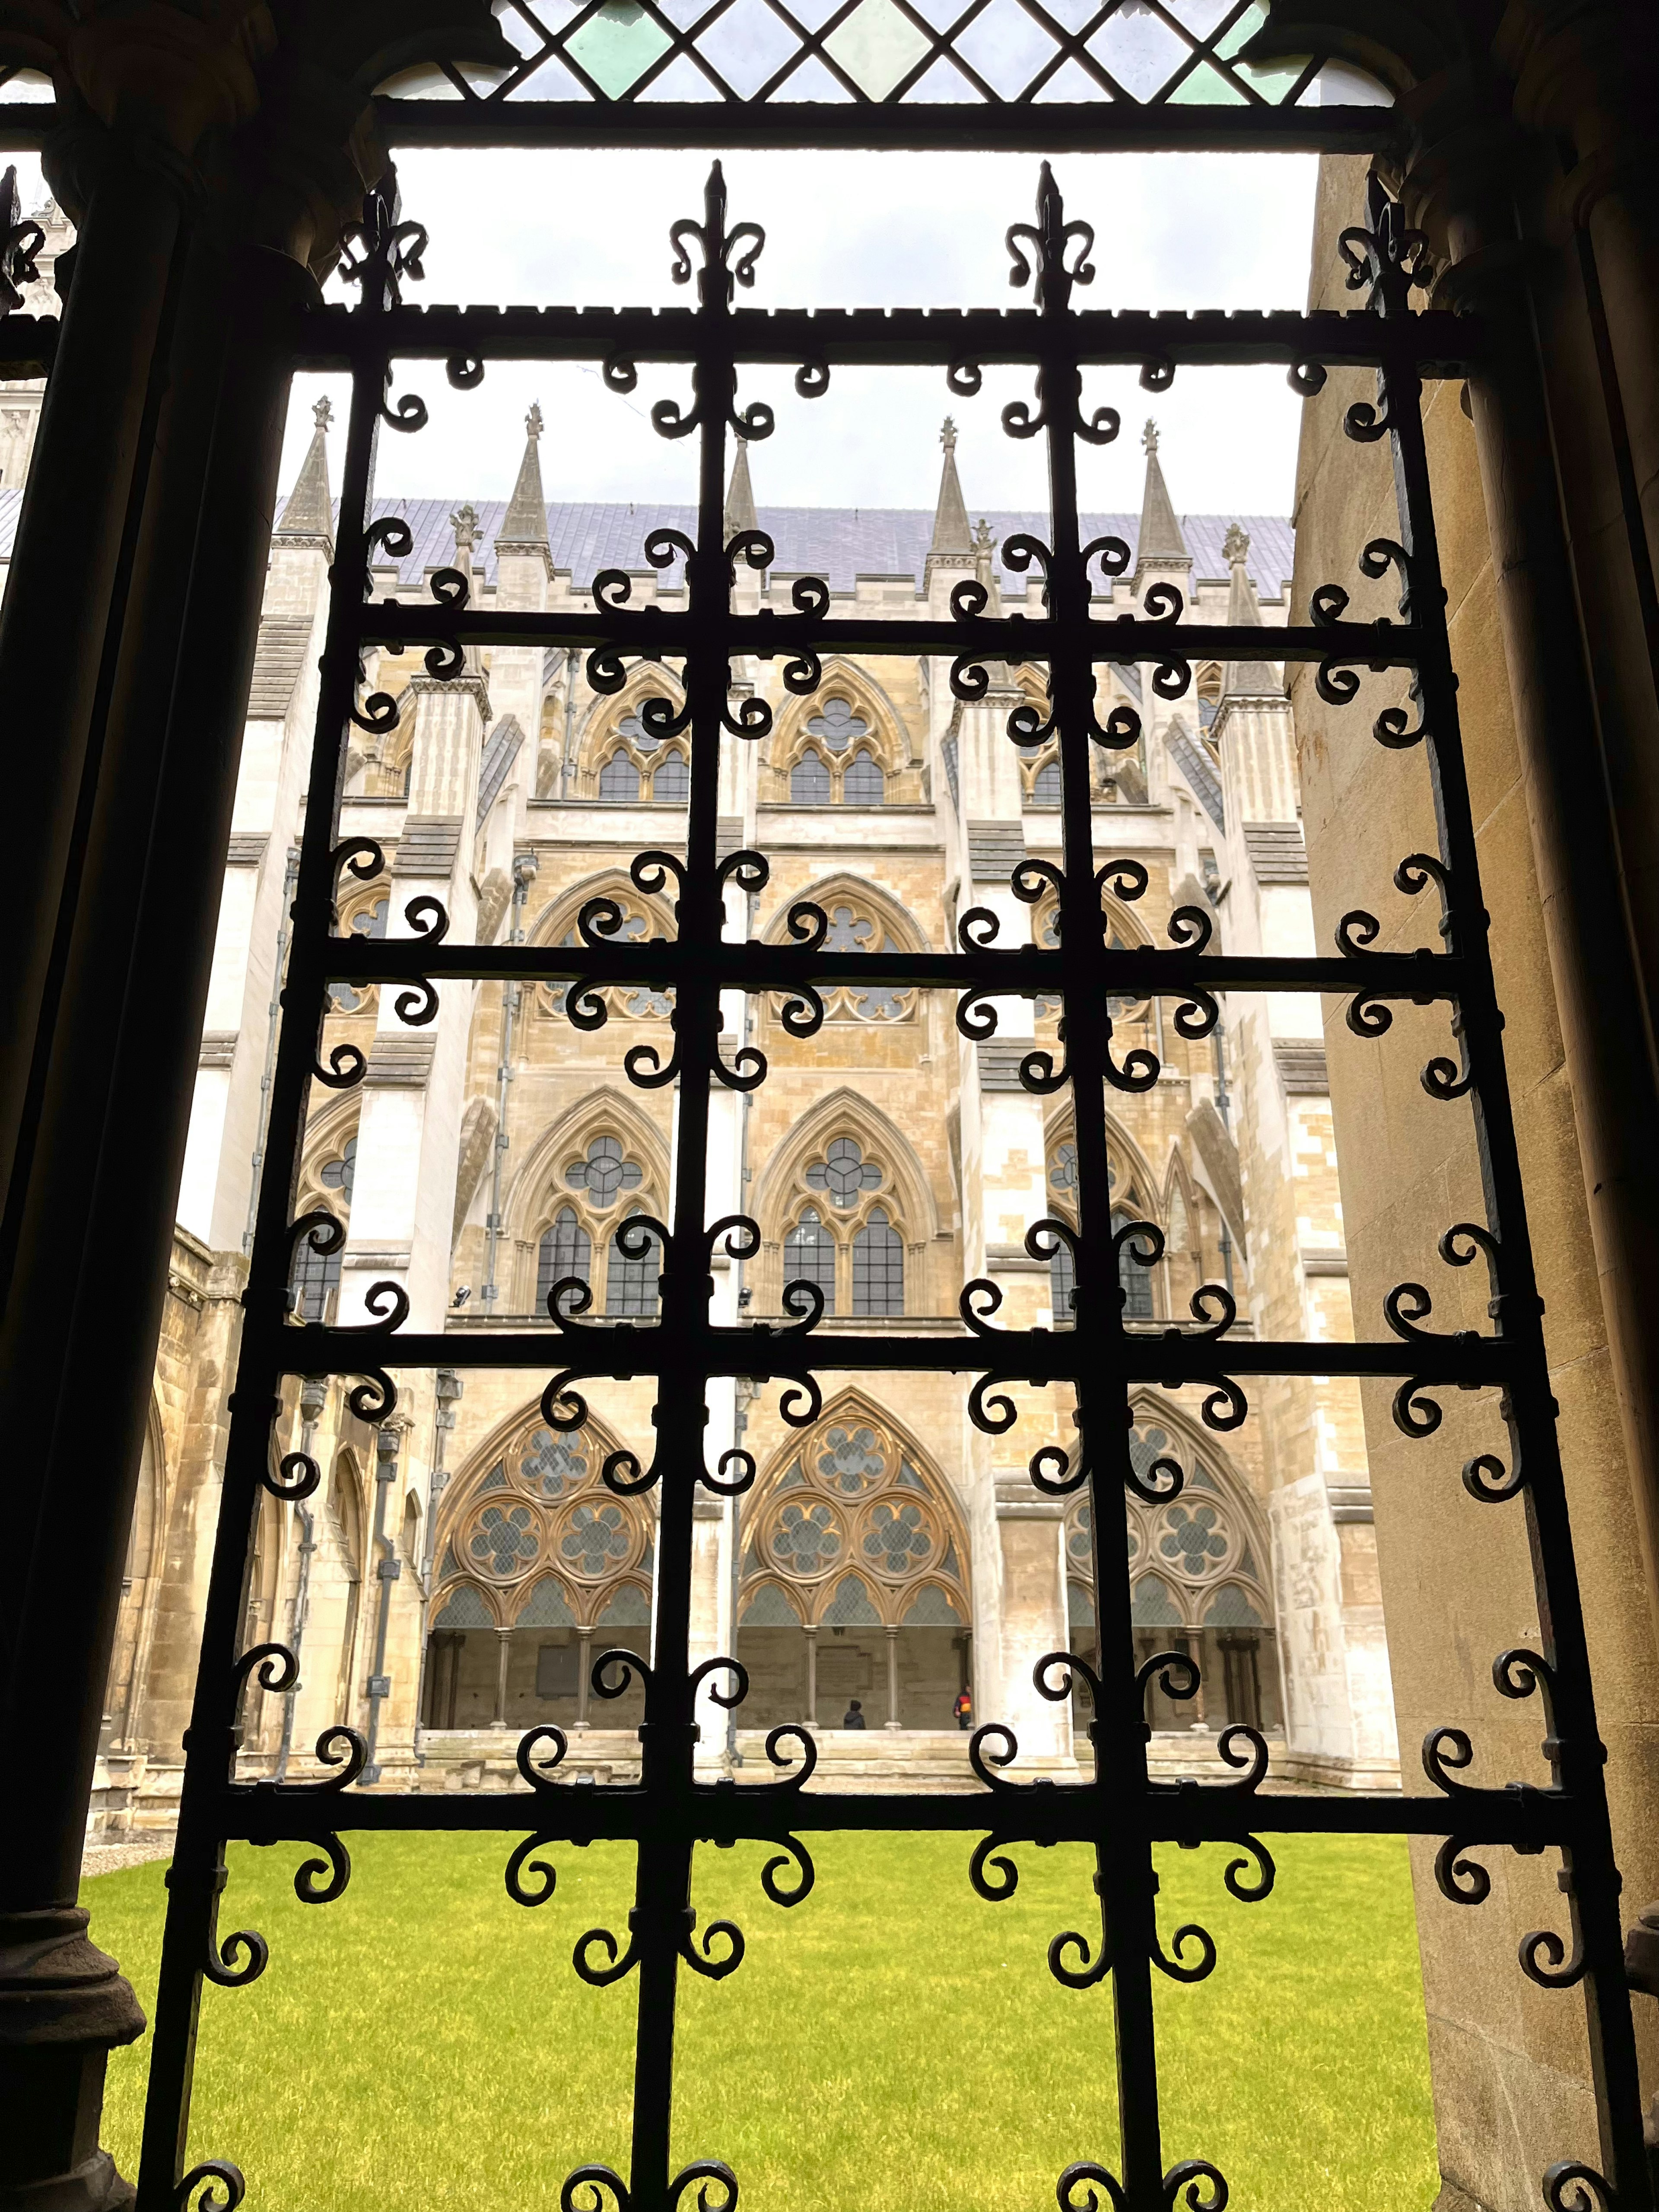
(719,272)
(1047,239)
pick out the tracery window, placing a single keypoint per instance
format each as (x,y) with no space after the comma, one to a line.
(832,767)
(630,762)
(530,1539)
(863,784)
(580,1226)
(1138,1302)
(1044,786)
(843,1238)
(619,779)
(314,1283)
(855,925)
(809,781)
(641,923)
(369,920)
(852,1532)
(1196,1581)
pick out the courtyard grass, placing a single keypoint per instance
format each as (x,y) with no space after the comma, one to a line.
(892,2042)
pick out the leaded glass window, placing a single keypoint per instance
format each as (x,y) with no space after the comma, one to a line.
(671,784)
(619,779)
(844,1172)
(1137,1280)
(315,1280)
(877,1267)
(1062,1281)
(809,781)
(837,725)
(1045,785)
(849,932)
(809,1256)
(340,1173)
(566,1249)
(604,1171)
(864,784)
(850,1460)
(631,1288)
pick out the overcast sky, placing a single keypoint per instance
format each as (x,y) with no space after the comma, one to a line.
(850,230)
(857,229)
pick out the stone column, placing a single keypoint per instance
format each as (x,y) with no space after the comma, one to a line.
(503,1654)
(1462,191)
(127,187)
(892,1677)
(812,1635)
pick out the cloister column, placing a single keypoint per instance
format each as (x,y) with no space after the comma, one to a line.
(892,1677)
(503,1655)
(121,167)
(812,1635)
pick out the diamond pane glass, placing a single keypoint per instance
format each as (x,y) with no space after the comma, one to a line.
(1142,52)
(748,46)
(877,46)
(617,45)
(1007,46)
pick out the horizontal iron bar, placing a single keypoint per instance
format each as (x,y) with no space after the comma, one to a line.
(1439,344)
(1020,971)
(1073,127)
(654,631)
(581,1814)
(620,1352)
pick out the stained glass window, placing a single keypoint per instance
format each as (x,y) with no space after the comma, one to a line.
(877,1267)
(565,1250)
(809,781)
(809,1256)
(631,1289)
(864,784)
(844,1172)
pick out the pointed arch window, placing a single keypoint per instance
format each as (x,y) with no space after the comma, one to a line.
(809,1256)
(844,1172)
(619,781)
(1137,1280)
(631,1281)
(671,784)
(837,725)
(809,781)
(1045,785)
(863,784)
(877,1267)
(315,1281)
(566,1249)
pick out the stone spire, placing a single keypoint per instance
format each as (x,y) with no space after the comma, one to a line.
(739,496)
(951,537)
(1160,541)
(309,513)
(524,528)
(1252,679)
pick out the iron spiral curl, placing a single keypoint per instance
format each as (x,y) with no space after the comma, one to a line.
(335,1866)
(210,2176)
(794,1852)
(1588,2191)
(1461,1881)
(804,1765)
(1187,2180)
(220,1964)
(1082,2184)
(520,1861)
(297,1476)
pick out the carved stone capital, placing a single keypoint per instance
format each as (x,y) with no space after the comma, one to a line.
(1587,70)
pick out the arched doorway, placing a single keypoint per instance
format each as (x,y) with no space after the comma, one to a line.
(1197,1586)
(854,1582)
(540,1569)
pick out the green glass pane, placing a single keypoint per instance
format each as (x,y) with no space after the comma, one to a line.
(877,46)
(1205,88)
(1245,28)
(617,45)
(1272,80)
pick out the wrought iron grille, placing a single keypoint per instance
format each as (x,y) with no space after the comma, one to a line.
(1120,1811)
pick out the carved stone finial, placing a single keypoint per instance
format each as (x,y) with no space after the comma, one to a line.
(323,413)
(947,436)
(984,540)
(1236,546)
(1149,438)
(464,524)
(533,421)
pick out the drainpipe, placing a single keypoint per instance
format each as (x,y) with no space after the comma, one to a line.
(567,761)
(744,1391)
(313,1397)
(272,1013)
(447,1387)
(523,875)
(388,1568)
(1223,1106)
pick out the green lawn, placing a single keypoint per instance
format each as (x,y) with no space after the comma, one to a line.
(892,2044)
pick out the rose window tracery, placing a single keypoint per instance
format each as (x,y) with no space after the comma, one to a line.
(604,1171)
(853,928)
(844,1172)
(1195,1538)
(534,1508)
(903,1558)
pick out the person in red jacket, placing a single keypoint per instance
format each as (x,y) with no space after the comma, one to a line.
(964,1708)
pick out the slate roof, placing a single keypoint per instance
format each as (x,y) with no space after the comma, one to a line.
(837,542)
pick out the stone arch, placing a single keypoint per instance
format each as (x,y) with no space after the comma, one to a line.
(135,1627)
(888,736)
(602,736)
(535,1558)
(1134,1169)
(345,1562)
(538,1193)
(855,1576)
(901,932)
(905,1194)
(556,922)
